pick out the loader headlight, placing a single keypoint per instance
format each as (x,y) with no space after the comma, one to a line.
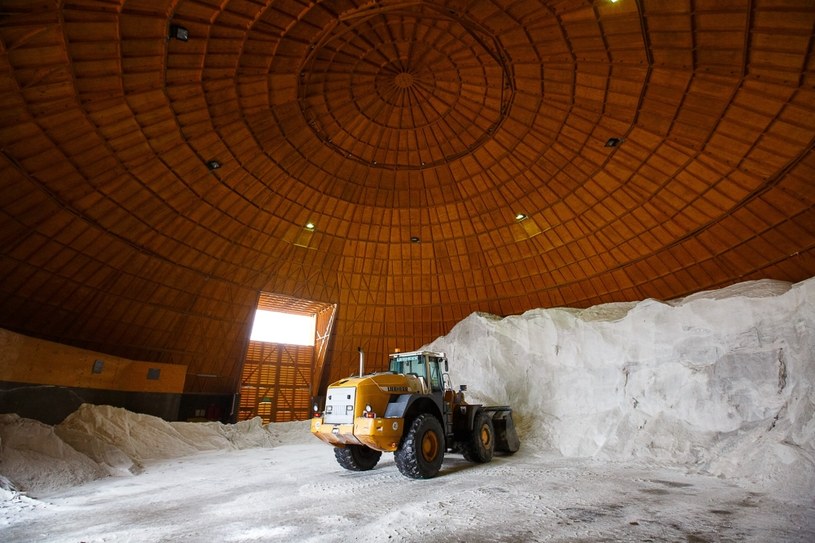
(369,412)
(368,408)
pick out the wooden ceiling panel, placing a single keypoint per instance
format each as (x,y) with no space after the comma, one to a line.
(377,126)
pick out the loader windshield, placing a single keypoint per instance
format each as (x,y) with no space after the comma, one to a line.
(413,364)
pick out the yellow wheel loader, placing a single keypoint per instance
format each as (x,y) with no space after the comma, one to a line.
(412,411)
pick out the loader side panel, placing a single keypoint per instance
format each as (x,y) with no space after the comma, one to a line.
(397,407)
(408,406)
(463,417)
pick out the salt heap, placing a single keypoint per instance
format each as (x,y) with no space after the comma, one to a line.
(721,382)
(32,456)
(99,440)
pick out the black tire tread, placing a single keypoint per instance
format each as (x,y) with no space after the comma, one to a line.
(357,457)
(473,449)
(408,456)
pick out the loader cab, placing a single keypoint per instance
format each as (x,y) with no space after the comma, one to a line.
(426,365)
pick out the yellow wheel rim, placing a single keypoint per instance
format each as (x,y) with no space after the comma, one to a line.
(486,436)
(430,446)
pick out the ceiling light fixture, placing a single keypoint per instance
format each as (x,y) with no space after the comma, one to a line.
(213,164)
(520,216)
(179,33)
(614,142)
(309,226)
(415,239)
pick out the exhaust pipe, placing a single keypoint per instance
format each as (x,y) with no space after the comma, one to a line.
(361,361)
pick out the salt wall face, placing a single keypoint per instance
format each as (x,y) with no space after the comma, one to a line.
(721,381)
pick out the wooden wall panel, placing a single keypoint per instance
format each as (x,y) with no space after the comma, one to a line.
(29,360)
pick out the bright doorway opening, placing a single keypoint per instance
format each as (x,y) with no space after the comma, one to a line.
(285,328)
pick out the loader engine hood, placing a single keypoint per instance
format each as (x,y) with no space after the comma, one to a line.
(387,382)
(349,398)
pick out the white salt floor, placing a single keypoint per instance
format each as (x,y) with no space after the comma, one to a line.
(296,492)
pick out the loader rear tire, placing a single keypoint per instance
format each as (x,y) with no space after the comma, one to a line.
(357,457)
(422,451)
(481,444)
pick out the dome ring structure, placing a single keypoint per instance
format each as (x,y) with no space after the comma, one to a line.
(384,85)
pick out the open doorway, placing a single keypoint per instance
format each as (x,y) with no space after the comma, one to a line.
(285,357)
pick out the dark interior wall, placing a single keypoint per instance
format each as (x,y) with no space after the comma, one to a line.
(209,407)
(52,404)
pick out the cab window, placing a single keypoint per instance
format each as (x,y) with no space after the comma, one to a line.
(435,374)
(409,365)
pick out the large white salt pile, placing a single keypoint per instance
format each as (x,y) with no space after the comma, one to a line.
(722,382)
(32,456)
(100,440)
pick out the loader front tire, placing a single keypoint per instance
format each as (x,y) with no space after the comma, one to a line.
(481,443)
(422,450)
(357,457)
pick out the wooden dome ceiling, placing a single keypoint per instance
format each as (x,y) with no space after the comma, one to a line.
(494,155)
